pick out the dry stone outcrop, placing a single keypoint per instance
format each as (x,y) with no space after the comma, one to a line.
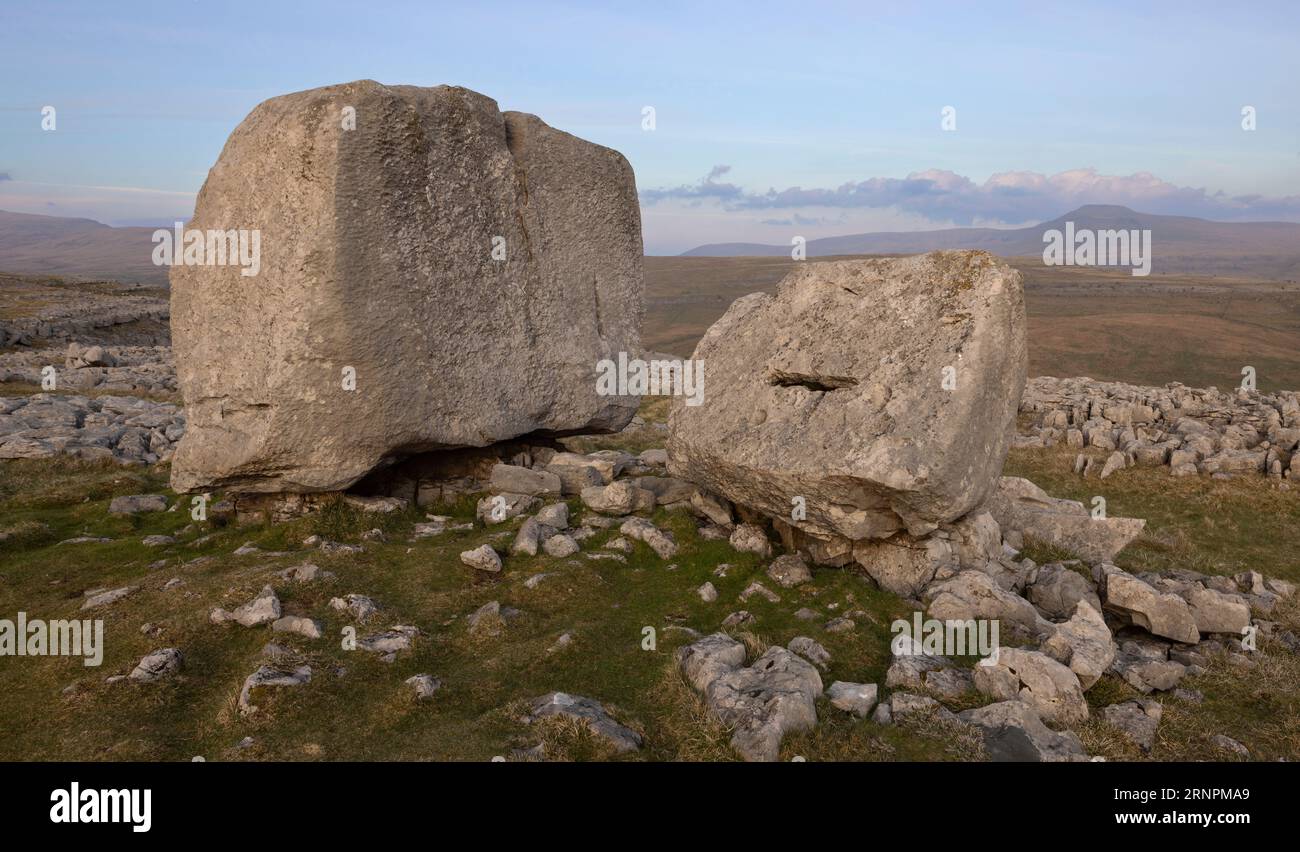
(1191,431)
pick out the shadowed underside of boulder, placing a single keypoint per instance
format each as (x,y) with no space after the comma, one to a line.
(882,392)
(377,254)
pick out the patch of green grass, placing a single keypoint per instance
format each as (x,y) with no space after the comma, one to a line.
(621,615)
(1215,526)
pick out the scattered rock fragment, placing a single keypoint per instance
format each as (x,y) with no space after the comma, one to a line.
(810,650)
(789,570)
(590,713)
(423,685)
(137,504)
(297,624)
(1013,731)
(482,558)
(262,609)
(104,597)
(270,676)
(1137,720)
(855,698)
(157,665)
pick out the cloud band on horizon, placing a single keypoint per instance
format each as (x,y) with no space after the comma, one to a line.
(1011,197)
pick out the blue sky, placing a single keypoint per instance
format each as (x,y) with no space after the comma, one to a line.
(812,118)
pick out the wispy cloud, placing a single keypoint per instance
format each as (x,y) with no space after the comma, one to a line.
(708,188)
(1010,197)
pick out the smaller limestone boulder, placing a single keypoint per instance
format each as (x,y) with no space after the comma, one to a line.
(855,698)
(1037,680)
(423,686)
(811,650)
(137,504)
(513,479)
(617,498)
(1019,504)
(157,665)
(1084,644)
(1137,720)
(482,558)
(1158,613)
(1215,612)
(560,546)
(904,564)
(1014,732)
(660,542)
(707,659)
(263,609)
(590,713)
(297,624)
(763,702)
(789,570)
(1057,591)
(750,538)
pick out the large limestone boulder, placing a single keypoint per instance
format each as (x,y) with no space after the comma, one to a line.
(837,389)
(377,254)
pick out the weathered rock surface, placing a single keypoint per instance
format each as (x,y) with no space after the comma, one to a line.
(834,390)
(1036,679)
(263,609)
(1013,731)
(1189,430)
(761,703)
(1057,590)
(974,595)
(1083,643)
(136,504)
(590,713)
(270,676)
(903,564)
(103,597)
(424,686)
(789,570)
(377,254)
(1019,504)
(157,665)
(1137,720)
(707,659)
(482,558)
(1215,612)
(855,698)
(1159,613)
(360,607)
(660,542)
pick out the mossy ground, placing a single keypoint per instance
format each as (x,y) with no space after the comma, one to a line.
(356,707)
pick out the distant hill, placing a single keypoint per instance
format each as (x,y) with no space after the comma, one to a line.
(77,249)
(89,250)
(1182,244)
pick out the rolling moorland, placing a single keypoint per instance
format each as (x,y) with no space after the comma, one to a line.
(580,627)
(1195,329)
